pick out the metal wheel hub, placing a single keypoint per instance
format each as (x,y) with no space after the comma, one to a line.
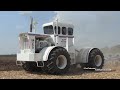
(61,62)
(98,60)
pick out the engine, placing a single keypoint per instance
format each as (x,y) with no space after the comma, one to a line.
(40,44)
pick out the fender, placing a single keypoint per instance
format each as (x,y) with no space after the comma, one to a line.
(83,55)
(44,53)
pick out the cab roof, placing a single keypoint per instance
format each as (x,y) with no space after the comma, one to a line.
(58,24)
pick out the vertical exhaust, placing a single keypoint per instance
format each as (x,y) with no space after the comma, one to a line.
(31,25)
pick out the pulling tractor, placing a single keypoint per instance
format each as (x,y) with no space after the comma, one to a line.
(54,52)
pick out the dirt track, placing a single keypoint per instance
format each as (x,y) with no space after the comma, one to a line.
(9,70)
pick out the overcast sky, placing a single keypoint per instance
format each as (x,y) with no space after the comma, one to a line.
(92,28)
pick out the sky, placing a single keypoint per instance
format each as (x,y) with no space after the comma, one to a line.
(92,28)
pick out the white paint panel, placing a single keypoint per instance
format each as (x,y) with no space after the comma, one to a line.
(25,57)
(42,56)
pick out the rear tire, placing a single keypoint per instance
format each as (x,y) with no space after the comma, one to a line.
(31,67)
(95,60)
(58,62)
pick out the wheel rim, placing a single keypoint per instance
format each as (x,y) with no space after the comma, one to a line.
(61,62)
(98,60)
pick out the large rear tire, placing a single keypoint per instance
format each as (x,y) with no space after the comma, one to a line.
(58,62)
(31,67)
(95,60)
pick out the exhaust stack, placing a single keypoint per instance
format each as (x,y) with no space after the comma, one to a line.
(31,25)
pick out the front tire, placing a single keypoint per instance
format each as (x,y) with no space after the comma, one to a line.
(58,62)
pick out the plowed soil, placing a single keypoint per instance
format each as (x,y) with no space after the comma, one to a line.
(9,70)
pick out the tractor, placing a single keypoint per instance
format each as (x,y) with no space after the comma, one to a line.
(54,51)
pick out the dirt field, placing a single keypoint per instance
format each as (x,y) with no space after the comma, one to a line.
(9,70)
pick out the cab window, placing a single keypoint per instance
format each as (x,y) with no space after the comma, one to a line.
(64,30)
(58,30)
(48,30)
(70,31)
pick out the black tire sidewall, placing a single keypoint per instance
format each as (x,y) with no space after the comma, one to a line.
(68,62)
(92,56)
(52,59)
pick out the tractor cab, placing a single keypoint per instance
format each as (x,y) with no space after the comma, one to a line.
(60,32)
(58,28)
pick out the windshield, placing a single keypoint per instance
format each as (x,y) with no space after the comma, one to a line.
(48,30)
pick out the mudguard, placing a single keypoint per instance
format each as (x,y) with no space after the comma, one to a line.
(83,55)
(44,53)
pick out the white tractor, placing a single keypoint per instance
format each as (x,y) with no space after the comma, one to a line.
(54,52)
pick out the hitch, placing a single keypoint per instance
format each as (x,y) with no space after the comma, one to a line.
(40,63)
(19,63)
